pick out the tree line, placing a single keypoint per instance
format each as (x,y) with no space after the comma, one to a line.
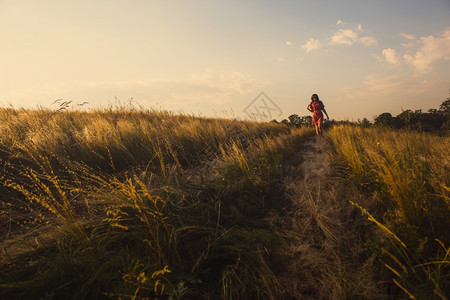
(434,120)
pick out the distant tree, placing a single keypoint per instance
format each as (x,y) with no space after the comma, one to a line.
(396,123)
(420,121)
(383,120)
(295,120)
(446,126)
(406,116)
(445,107)
(435,120)
(306,121)
(364,123)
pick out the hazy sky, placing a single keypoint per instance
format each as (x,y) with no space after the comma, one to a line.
(213,58)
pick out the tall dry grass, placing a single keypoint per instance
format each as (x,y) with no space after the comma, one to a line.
(127,203)
(409,174)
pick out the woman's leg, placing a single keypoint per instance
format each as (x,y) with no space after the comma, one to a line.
(319,128)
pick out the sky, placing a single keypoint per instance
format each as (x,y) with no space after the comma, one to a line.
(235,59)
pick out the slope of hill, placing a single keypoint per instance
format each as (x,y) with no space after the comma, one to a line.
(136,204)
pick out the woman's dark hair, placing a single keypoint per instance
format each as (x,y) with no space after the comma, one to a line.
(315,95)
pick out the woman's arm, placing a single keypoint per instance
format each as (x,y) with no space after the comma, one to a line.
(309,108)
(325,113)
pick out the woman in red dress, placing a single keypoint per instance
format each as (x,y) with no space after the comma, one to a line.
(316,107)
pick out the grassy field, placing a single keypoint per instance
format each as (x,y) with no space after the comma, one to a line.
(406,177)
(127,203)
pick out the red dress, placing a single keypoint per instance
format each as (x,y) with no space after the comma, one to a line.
(316,107)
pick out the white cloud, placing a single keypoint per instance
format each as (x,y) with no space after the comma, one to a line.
(288,43)
(411,40)
(340,22)
(349,36)
(431,49)
(344,37)
(407,36)
(391,57)
(368,40)
(360,28)
(312,44)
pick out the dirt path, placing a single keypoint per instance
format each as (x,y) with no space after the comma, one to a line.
(323,261)
(316,165)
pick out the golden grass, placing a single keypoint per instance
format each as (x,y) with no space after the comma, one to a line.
(117,187)
(132,204)
(408,172)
